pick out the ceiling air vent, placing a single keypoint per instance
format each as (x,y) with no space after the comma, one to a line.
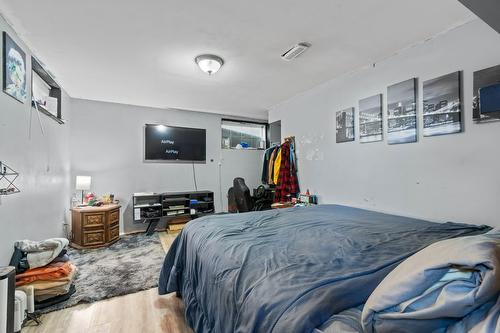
(295,51)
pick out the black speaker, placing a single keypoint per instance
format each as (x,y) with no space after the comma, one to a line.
(7,290)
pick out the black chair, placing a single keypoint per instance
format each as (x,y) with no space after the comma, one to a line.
(231,201)
(244,201)
(240,200)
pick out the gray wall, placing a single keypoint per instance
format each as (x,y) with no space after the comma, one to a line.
(107,144)
(452,177)
(38,212)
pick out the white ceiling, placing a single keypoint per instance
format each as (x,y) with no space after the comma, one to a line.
(141,52)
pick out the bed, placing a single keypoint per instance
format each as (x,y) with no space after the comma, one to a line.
(290,270)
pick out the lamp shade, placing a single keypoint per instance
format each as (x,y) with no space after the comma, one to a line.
(83,183)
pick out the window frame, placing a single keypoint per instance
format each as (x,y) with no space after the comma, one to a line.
(239,121)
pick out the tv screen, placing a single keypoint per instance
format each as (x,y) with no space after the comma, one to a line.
(168,143)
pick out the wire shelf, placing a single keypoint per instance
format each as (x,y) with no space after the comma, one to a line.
(7,178)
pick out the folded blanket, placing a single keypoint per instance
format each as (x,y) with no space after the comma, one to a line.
(51,287)
(55,282)
(55,300)
(437,287)
(42,253)
(42,295)
(52,271)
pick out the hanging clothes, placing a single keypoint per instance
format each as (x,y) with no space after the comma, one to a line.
(272,161)
(287,185)
(270,177)
(277,165)
(265,164)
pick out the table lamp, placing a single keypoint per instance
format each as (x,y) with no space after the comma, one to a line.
(83,184)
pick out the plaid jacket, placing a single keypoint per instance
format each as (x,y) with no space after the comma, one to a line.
(288,184)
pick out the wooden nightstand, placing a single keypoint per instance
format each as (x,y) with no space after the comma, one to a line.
(95,226)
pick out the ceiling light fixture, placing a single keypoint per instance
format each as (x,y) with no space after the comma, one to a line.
(209,63)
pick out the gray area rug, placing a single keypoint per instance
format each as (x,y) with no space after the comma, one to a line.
(130,265)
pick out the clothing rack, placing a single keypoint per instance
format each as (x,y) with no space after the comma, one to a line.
(273,163)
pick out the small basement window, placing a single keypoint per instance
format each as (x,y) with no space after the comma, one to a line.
(41,95)
(46,93)
(243,135)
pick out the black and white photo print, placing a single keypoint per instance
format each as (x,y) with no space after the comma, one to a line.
(345,125)
(402,112)
(442,105)
(370,119)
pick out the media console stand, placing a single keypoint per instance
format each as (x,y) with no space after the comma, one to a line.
(176,208)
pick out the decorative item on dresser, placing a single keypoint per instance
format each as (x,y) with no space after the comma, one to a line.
(95,226)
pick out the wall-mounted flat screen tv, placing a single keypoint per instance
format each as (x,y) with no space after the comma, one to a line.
(169,143)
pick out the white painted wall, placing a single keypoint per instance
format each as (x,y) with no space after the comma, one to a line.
(446,178)
(39,210)
(107,144)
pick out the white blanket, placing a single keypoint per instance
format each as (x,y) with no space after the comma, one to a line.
(43,252)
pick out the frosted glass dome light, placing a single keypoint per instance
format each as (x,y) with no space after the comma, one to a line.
(209,63)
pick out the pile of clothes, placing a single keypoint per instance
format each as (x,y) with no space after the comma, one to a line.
(46,267)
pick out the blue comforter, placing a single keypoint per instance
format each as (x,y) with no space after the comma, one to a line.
(289,270)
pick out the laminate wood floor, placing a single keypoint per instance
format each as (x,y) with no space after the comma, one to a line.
(142,312)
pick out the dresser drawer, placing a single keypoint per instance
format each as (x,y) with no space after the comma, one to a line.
(94,220)
(114,217)
(114,233)
(93,238)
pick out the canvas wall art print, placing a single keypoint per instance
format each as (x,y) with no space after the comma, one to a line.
(345,125)
(402,112)
(486,98)
(370,119)
(14,69)
(442,105)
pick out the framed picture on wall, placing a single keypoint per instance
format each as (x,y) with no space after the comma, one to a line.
(442,105)
(14,69)
(345,125)
(402,112)
(486,100)
(370,119)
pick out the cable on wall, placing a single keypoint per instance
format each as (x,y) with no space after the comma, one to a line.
(194,178)
(220,186)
